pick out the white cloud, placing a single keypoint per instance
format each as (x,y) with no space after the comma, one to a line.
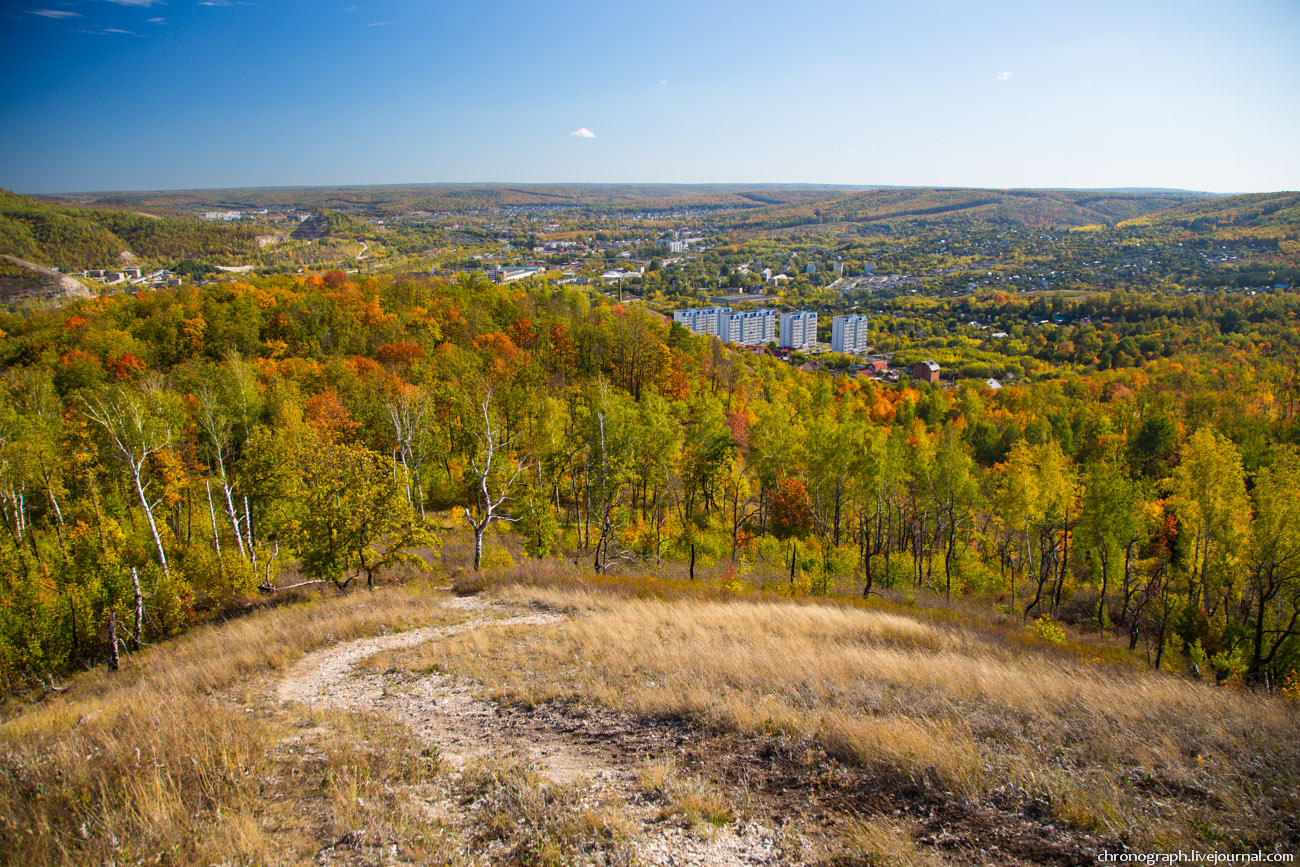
(139,2)
(156,21)
(378,23)
(104,31)
(663,81)
(53,13)
(1004,76)
(582,132)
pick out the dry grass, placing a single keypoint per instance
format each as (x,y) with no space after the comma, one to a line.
(352,782)
(880,842)
(1110,749)
(173,756)
(700,803)
(185,756)
(521,819)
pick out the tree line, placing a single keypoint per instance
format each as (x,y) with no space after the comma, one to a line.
(169,457)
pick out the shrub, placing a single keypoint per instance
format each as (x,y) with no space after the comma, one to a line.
(497,557)
(1047,630)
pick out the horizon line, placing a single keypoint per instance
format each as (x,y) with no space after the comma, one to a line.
(1128,189)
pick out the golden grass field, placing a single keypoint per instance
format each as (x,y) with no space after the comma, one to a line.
(173,757)
(1156,759)
(904,736)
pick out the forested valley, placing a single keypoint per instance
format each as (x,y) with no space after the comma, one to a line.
(179,455)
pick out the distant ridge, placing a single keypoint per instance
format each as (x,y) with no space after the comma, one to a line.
(395,200)
(966,208)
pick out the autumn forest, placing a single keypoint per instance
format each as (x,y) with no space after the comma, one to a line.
(170,457)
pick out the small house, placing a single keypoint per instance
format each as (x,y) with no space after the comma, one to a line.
(926,371)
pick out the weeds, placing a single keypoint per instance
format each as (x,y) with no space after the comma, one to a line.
(879,842)
(703,806)
(522,819)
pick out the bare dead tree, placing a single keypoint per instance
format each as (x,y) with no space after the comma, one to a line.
(212,513)
(114,662)
(490,446)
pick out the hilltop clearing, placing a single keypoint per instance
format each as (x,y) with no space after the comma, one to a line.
(640,720)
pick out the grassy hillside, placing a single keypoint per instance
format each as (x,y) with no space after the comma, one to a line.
(559,719)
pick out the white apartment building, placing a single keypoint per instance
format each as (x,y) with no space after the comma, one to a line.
(705,321)
(799,329)
(849,334)
(748,329)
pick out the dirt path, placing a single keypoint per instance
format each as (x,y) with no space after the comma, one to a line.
(602,753)
(326,676)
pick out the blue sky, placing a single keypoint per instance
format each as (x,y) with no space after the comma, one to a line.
(145,94)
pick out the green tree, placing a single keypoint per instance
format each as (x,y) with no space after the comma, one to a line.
(1273,564)
(1209,488)
(1111,524)
(347,513)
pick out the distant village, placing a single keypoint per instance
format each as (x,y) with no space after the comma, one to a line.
(132,278)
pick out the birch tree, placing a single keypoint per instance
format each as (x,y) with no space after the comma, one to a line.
(1273,575)
(409,413)
(1209,488)
(493,476)
(136,427)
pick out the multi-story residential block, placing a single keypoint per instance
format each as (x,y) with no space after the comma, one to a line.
(799,329)
(849,334)
(705,321)
(748,329)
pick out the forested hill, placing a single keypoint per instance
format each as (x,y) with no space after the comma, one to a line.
(386,201)
(92,231)
(1260,215)
(899,209)
(73,239)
